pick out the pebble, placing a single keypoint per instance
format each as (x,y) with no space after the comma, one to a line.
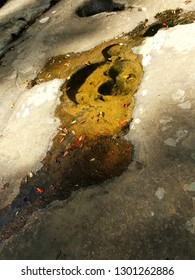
(170,142)
(44,20)
(192,187)
(137,121)
(160,193)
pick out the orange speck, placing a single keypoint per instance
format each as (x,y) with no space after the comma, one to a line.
(122,122)
(40,190)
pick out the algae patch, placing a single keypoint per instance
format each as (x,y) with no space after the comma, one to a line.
(98,92)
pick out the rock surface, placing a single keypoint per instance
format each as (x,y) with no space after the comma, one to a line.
(146,213)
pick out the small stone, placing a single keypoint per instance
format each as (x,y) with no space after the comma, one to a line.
(160,193)
(137,121)
(170,142)
(192,187)
(44,20)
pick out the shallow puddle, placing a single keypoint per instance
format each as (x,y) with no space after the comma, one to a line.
(95,113)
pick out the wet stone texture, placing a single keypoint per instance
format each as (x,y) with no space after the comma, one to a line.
(95,113)
(137,215)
